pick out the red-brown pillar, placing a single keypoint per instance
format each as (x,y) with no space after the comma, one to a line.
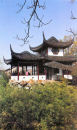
(32,69)
(38,71)
(18,71)
(22,70)
(11,70)
(26,68)
(47,51)
(45,71)
(62,73)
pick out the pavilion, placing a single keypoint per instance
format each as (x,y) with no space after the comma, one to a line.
(48,63)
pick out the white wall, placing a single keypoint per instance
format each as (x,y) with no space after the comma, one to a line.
(68,76)
(50,53)
(27,78)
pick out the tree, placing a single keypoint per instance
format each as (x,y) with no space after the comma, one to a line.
(34,7)
(73,49)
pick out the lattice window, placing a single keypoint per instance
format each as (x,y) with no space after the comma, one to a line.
(55,50)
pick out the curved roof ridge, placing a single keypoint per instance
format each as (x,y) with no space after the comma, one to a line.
(7,61)
(44,37)
(12,52)
(11,49)
(51,42)
(60,44)
(62,58)
(34,48)
(53,38)
(58,65)
(25,52)
(21,53)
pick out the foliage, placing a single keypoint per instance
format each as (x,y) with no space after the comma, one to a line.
(74,70)
(48,107)
(3,79)
(73,49)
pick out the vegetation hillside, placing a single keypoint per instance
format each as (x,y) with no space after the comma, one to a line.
(52,106)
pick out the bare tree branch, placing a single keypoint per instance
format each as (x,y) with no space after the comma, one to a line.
(34,14)
(72,32)
(72,16)
(21,6)
(22,39)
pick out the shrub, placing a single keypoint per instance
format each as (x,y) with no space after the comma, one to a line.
(49,107)
(3,79)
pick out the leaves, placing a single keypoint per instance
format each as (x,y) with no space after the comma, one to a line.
(52,106)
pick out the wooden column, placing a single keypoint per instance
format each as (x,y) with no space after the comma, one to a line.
(18,71)
(26,67)
(63,51)
(45,71)
(38,71)
(32,69)
(22,70)
(47,51)
(11,70)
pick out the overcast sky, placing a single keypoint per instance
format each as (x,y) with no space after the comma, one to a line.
(10,24)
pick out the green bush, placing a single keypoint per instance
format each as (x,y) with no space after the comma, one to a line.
(49,107)
(3,79)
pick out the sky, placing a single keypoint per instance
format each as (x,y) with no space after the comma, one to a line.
(11,26)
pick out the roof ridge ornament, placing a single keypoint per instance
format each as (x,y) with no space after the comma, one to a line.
(11,49)
(6,61)
(44,37)
(3,59)
(30,47)
(73,39)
